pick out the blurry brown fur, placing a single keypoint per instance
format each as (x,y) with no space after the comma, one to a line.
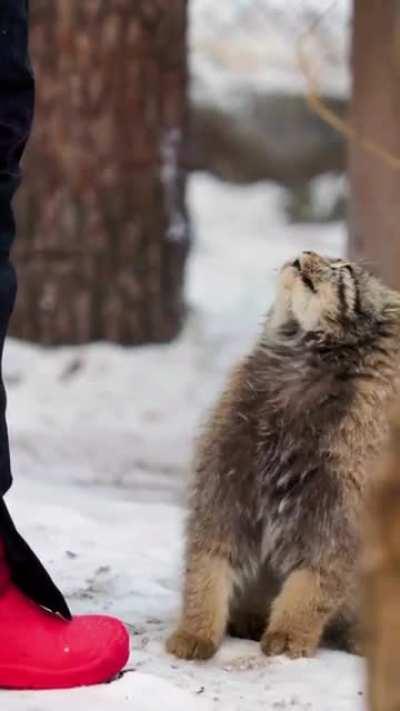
(283,464)
(381,573)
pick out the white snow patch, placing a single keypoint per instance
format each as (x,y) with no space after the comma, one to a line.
(142,692)
(258,43)
(169,151)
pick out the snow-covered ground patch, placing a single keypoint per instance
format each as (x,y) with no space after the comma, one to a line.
(102,439)
(147,693)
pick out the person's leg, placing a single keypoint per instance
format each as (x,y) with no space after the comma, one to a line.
(16,112)
(37,649)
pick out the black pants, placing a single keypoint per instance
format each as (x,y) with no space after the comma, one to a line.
(16,113)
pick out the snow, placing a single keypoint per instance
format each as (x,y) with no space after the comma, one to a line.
(169,151)
(123,695)
(101,439)
(258,43)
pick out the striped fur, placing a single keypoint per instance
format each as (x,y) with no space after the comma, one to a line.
(283,464)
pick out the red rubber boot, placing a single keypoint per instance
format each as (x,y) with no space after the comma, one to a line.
(39,650)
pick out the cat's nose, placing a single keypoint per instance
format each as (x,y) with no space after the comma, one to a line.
(307,260)
(311,259)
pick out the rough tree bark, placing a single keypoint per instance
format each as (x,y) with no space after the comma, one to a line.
(103,231)
(375,112)
(381,567)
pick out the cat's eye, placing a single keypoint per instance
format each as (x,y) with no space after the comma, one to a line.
(340,265)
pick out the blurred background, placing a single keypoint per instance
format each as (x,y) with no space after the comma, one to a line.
(182,151)
(175,164)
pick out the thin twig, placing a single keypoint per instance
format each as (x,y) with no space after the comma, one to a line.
(318,105)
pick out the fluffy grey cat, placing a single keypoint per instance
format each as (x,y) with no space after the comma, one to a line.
(282,467)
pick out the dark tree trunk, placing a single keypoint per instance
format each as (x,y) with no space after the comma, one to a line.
(103,232)
(375,184)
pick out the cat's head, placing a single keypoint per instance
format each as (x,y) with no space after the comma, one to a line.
(330,295)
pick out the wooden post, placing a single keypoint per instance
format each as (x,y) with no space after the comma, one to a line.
(375,116)
(381,570)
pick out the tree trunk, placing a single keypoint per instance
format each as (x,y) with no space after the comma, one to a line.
(382,582)
(103,231)
(375,184)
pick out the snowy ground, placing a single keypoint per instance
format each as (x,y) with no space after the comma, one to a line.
(101,442)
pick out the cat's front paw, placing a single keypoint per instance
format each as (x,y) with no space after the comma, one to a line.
(278,641)
(186,645)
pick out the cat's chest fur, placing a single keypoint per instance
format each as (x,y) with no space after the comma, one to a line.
(310,448)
